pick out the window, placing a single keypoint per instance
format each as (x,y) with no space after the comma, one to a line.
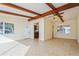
(1,28)
(67,29)
(9,28)
(6,28)
(64,29)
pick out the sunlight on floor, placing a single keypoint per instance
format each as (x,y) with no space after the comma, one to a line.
(4,39)
(10,47)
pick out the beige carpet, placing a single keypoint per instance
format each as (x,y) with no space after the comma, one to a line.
(53,47)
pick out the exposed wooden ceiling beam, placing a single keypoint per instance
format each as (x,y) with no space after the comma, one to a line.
(61,8)
(53,7)
(67,6)
(50,5)
(11,13)
(20,8)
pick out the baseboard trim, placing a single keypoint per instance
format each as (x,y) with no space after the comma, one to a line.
(63,38)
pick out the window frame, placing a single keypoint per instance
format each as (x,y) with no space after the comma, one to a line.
(5,25)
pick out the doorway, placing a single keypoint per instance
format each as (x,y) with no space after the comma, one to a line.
(36,31)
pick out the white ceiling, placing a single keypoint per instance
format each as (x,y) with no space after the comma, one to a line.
(58,4)
(36,7)
(6,8)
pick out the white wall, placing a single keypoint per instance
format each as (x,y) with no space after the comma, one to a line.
(48,27)
(41,28)
(25,29)
(20,26)
(45,28)
(70,18)
(78,27)
(71,35)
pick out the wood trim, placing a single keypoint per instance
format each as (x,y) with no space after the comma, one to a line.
(53,7)
(20,8)
(61,8)
(11,13)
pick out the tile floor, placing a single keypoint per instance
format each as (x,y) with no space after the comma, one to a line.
(29,47)
(53,47)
